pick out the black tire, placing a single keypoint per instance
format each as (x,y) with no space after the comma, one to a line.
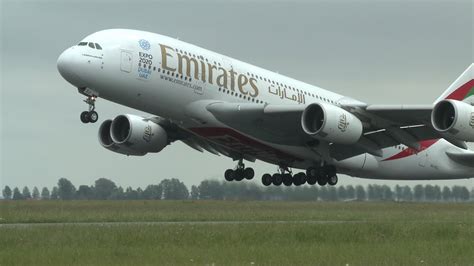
(311,172)
(330,170)
(93,116)
(266,180)
(239,174)
(304,178)
(332,180)
(277,179)
(229,175)
(311,180)
(287,180)
(322,181)
(85,117)
(249,173)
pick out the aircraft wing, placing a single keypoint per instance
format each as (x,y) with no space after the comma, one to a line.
(386,125)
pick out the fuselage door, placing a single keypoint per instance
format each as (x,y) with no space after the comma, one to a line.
(126,61)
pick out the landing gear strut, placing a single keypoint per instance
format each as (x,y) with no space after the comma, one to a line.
(239,172)
(90,116)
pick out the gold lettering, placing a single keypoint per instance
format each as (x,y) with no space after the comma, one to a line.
(187,60)
(242,81)
(232,79)
(211,67)
(164,56)
(203,71)
(222,78)
(253,84)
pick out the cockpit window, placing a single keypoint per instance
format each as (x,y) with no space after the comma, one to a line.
(82,44)
(91,45)
(98,47)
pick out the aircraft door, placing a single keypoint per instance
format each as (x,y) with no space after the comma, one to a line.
(126,61)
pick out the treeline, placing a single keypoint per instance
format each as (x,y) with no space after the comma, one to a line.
(174,189)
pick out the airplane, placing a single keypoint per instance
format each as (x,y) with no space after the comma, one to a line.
(214,103)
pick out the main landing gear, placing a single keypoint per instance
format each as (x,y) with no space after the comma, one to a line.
(239,172)
(90,116)
(322,175)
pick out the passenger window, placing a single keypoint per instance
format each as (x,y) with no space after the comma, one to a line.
(91,45)
(98,46)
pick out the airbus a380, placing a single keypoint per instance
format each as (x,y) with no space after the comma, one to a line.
(218,104)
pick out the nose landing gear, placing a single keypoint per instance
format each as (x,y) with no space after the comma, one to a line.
(90,116)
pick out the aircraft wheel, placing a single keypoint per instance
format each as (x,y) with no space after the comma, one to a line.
(287,180)
(322,181)
(249,173)
(311,172)
(332,180)
(229,175)
(311,180)
(277,179)
(85,117)
(266,180)
(93,116)
(238,175)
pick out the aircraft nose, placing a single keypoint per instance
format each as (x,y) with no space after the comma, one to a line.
(69,68)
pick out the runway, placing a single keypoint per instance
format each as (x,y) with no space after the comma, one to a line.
(152,223)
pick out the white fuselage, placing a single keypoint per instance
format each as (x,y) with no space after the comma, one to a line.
(168,78)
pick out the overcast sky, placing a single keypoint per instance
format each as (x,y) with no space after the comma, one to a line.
(376,51)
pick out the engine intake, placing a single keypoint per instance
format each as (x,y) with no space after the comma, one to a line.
(331,123)
(132,135)
(454,118)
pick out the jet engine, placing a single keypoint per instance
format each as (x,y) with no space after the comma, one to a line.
(454,118)
(331,123)
(132,135)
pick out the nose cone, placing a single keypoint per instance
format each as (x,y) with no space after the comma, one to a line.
(69,68)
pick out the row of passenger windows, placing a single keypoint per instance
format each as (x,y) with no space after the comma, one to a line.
(177,75)
(241,96)
(291,88)
(91,45)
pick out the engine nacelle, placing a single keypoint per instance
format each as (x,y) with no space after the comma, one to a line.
(132,135)
(331,123)
(454,118)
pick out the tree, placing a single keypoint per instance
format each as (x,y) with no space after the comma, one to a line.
(211,189)
(26,193)
(45,193)
(84,192)
(55,193)
(194,192)
(36,193)
(407,194)
(16,194)
(153,192)
(7,193)
(118,194)
(418,192)
(350,191)
(131,194)
(66,190)
(104,188)
(446,193)
(173,189)
(398,193)
(341,193)
(360,193)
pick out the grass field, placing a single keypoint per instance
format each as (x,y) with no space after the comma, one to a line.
(278,233)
